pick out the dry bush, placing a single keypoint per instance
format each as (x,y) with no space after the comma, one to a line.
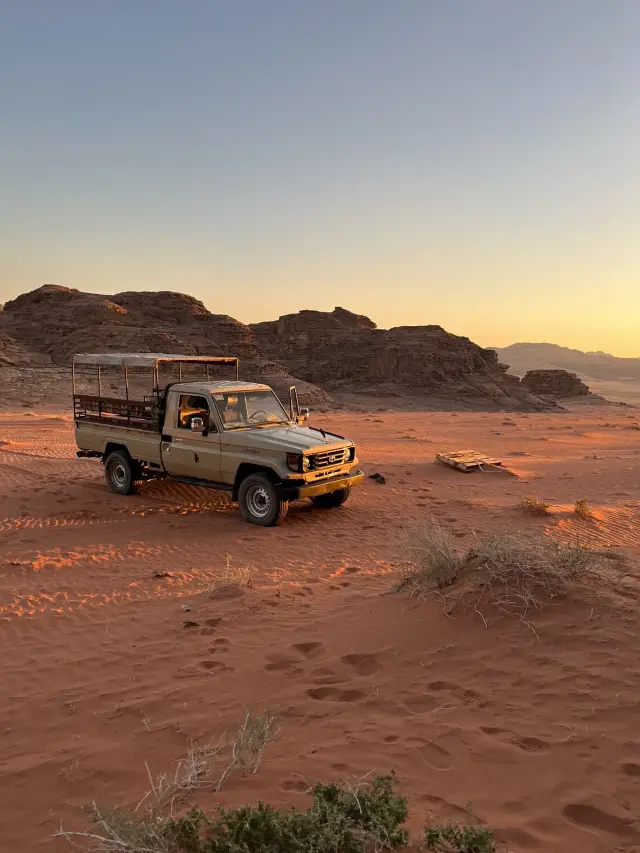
(209,766)
(513,574)
(534,506)
(192,772)
(433,561)
(252,738)
(517,574)
(118,831)
(232,577)
(582,509)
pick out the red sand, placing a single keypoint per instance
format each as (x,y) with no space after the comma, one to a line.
(99,675)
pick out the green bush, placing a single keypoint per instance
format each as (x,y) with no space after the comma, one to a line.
(454,838)
(349,821)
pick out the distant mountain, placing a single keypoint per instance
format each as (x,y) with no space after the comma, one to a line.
(588,365)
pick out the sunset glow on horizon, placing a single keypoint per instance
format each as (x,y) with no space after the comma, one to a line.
(472,164)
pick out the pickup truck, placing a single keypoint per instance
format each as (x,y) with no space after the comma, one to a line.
(225,434)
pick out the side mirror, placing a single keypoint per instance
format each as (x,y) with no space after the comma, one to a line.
(197,425)
(294,408)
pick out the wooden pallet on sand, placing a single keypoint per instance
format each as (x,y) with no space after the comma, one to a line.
(468,460)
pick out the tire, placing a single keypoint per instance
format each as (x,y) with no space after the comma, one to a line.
(119,472)
(331,500)
(260,502)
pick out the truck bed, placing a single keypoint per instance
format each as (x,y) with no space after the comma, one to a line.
(113,411)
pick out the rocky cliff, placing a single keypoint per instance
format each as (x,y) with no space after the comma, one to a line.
(323,353)
(50,324)
(346,352)
(555,383)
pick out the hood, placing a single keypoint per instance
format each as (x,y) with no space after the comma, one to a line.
(290,438)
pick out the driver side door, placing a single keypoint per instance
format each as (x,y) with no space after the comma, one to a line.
(186,453)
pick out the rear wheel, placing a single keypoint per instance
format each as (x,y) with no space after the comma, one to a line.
(119,473)
(331,500)
(260,502)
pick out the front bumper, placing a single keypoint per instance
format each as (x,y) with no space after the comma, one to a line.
(291,492)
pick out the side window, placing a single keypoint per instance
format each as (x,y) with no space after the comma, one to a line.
(191,407)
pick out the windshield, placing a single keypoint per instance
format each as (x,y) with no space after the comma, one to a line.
(249,408)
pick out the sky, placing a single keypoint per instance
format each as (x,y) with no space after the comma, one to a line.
(469,163)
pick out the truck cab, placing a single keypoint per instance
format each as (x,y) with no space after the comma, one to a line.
(224,434)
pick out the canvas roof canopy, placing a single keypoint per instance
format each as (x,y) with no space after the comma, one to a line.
(147,359)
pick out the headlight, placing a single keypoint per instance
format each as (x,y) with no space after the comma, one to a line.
(294,461)
(306,463)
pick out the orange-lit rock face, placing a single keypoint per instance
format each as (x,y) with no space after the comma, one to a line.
(324,352)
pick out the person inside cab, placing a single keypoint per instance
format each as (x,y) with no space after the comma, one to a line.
(231,413)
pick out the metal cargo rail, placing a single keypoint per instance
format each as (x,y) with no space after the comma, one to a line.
(141,414)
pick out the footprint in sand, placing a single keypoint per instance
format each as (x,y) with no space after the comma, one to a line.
(421,704)
(332,694)
(364,664)
(286,665)
(631,769)
(309,650)
(222,644)
(531,744)
(464,696)
(526,743)
(592,817)
(302,591)
(215,666)
(211,625)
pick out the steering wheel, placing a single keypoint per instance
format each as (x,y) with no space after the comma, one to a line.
(255,414)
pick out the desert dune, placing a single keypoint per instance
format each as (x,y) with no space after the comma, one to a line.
(125,638)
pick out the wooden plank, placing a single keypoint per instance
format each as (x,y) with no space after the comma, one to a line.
(467,460)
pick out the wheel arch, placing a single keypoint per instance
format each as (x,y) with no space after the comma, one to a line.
(113,446)
(246,468)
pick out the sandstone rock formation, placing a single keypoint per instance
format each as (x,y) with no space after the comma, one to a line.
(555,383)
(346,352)
(50,324)
(323,353)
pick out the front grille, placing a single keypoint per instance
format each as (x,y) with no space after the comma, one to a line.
(330,458)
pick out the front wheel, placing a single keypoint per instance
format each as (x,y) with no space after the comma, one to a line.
(119,473)
(331,500)
(260,502)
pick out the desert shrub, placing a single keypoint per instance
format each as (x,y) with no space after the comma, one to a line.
(350,819)
(231,577)
(252,738)
(432,561)
(211,764)
(516,573)
(455,838)
(511,573)
(534,506)
(582,509)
